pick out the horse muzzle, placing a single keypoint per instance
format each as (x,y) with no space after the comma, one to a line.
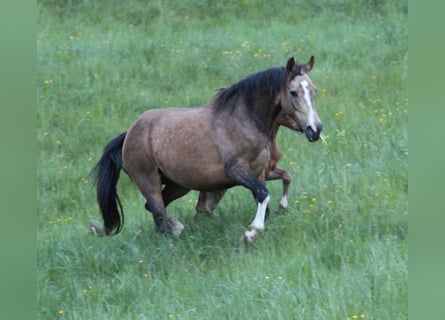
(313,132)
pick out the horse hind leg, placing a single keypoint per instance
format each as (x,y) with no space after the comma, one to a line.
(150,187)
(164,223)
(172,191)
(208,201)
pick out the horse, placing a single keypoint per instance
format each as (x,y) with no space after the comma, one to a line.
(207,201)
(224,143)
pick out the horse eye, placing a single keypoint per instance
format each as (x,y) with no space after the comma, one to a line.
(293,93)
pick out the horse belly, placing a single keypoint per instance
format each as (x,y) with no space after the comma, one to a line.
(190,158)
(198,177)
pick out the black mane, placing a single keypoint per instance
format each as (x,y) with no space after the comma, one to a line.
(266,83)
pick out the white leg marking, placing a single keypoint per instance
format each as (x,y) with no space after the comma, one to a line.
(257,223)
(307,98)
(283,202)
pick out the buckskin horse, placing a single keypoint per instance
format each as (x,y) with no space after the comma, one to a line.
(224,143)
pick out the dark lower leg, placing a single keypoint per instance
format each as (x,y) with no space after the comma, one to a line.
(159,217)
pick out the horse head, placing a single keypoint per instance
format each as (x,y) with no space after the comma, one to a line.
(298,99)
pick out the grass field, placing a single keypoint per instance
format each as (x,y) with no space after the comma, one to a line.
(339,251)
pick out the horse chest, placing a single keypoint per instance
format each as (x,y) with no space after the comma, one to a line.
(258,164)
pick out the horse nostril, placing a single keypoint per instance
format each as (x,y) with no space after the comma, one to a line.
(312,135)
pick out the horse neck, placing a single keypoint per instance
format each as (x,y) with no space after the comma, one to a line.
(266,111)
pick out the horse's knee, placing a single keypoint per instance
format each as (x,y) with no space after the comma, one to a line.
(261,194)
(287,177)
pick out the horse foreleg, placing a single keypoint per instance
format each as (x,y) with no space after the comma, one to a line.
(285,176)
(244,177)
(257,224)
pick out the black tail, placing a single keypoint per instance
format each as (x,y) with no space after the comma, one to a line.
(106,173)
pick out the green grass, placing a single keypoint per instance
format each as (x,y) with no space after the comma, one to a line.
(338,251)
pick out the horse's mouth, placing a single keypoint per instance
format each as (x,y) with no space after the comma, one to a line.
(313,135)
(312,139)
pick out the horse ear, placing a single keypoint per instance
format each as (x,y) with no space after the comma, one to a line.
(308,66)
(290,65)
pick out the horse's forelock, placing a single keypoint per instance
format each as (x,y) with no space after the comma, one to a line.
(298,71)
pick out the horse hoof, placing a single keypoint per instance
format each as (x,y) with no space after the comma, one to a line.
(202,214)
(250,235)
(175,226)
(283,203)
(96,230)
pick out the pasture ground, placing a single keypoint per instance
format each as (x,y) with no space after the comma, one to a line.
(339,251)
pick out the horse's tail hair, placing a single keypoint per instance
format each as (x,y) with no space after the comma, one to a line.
(106,174)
